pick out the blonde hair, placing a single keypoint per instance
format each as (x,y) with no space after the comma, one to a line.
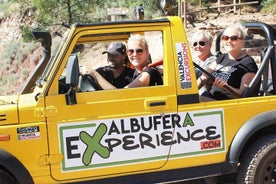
(139,38)
(203,33)
(239,28)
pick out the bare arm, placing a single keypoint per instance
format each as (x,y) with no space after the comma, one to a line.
(246,79)
(100,80)
(204,77)
(142,80)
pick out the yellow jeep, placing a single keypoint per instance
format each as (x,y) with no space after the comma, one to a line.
(62,128)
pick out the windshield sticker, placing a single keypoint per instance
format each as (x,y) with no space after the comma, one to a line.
(102,143)
(183,65)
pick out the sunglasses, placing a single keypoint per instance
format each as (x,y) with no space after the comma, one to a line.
(200,43)
(232,38)
(138,51)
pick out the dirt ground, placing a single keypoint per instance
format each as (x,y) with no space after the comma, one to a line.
(215,22)
(222,20)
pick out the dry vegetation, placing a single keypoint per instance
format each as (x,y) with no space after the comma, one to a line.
(15,70)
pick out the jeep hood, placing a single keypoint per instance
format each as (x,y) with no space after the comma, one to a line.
(8,110)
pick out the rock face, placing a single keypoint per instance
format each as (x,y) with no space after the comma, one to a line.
(14,73)
(17,59)
(9,29)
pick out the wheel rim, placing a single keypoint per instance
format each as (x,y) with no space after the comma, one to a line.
(269,175)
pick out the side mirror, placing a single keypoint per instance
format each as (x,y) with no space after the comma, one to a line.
(72,79)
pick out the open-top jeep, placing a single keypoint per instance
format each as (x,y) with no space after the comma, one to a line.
(64,128)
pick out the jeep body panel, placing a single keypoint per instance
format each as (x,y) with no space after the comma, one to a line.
(8,110)
(255,125)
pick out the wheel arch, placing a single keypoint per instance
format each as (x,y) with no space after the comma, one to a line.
(12,165)
(259,125)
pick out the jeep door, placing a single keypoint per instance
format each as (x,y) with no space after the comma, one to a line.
(108,133)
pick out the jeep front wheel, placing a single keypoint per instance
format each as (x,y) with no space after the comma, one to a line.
(258,164)
(6,178)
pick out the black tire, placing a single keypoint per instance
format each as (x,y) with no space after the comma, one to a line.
(6,178)
(258,164)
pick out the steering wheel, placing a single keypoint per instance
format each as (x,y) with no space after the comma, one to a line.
(87,83)
(234,93)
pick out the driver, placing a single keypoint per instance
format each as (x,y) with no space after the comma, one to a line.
(117,72)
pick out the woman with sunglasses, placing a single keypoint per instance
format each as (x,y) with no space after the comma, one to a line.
(233,69)
(139,57)
(202,44)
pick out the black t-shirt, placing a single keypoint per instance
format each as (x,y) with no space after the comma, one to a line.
(155,76)
(231,71)
(121,81)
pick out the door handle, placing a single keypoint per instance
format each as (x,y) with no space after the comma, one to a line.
(153,104)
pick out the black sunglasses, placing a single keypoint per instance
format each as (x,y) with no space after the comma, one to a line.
(232,38)
(138,51)
(201,43)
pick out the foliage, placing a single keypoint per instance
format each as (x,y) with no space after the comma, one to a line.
(63,11)
(269,6)
(15,50)
(7,8)
(70,11)
(12,57)
(26,33)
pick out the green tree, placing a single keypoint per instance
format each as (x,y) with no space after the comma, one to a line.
(63,11)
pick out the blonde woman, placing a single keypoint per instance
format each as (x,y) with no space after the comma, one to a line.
(233,69)
(139,57)
(202,44)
